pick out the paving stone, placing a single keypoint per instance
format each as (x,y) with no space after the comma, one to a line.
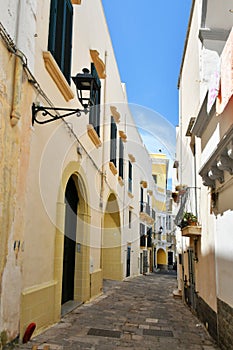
(141,311)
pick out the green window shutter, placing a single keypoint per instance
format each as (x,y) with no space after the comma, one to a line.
(121,158)
(130,179)
(113,140)
(68,25)
(60,34)
(94,115)
(52,26)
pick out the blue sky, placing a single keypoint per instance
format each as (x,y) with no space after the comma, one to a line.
(148,39)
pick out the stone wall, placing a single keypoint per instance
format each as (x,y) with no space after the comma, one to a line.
(207,316)
(225,325)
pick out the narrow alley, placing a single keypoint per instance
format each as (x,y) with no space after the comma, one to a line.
(137,313)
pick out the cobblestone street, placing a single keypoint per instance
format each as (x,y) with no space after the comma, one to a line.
(139,313)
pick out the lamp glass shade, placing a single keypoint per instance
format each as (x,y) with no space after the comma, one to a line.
(85,84)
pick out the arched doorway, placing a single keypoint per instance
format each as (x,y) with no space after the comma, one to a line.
(71,201)
(161,259)
(111,247)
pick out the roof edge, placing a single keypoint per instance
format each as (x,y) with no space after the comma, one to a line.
(186,42)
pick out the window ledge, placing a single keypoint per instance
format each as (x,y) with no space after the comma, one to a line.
(56,74)
(93,135)
(113,168)
(76,2)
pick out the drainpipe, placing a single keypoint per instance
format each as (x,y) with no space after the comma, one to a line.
(195,177)
(18,74)
(103,159)
(17,88)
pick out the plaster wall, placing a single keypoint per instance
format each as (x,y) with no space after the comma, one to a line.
(224,253)
(189,98)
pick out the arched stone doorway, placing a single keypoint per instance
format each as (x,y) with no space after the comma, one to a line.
(111,245)
(71,201)
(72,241)
(161,259)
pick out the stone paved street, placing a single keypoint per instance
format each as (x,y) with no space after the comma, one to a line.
(139,313)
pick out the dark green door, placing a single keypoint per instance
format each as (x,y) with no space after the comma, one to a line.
(71,200)
(128,261)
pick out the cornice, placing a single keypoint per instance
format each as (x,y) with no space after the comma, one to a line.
(116,115)
(99,64)
(220,160)
(203,118)
(122,135)
(217,34)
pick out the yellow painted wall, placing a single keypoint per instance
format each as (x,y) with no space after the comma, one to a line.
(15,135)
(111,247)
(37,306)
(161,257)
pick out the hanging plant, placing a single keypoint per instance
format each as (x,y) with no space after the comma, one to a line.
(189,219)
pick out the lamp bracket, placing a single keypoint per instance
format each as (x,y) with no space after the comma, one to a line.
(51,113)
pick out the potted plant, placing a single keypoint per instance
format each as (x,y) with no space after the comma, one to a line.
(189,219)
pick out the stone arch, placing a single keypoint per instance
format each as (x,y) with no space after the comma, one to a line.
(82,246)
(161,258)
(111,241)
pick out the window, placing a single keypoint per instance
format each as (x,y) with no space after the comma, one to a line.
(155,178)
(142,235)
(94,115)
(113,141)
(149,237)
(130,218)
(142,229)
(141,200)
(121,158)
(130,177)
(60,34)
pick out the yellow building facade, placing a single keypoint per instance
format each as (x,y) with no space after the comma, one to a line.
(70,188)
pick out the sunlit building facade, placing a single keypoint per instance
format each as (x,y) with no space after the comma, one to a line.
(71,189)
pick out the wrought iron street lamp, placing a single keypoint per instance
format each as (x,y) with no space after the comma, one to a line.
(86,86)
(161,230)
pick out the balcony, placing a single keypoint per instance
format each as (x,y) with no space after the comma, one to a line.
(146,213)
(191,231)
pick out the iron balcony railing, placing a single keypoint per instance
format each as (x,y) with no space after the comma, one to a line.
(189,200)
(145,208)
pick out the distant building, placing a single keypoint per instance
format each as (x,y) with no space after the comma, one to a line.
(163,243)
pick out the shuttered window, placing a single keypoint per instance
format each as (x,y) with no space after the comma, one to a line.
(121,158)
(94,115)
(130,177)
(60,34)
(113,142)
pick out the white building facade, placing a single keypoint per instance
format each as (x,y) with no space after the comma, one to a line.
(205,175)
